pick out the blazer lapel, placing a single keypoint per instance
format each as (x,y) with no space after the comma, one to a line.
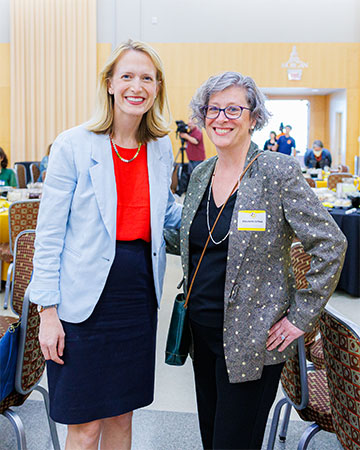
(248,198)
(157,184)
(103,180)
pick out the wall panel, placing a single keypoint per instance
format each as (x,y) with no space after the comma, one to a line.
(330,65)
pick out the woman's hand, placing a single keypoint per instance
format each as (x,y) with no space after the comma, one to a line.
(282,334)
(51,335)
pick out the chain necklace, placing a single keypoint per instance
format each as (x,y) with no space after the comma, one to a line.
(208,213)
(120,157)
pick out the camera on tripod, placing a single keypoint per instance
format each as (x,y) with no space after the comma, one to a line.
(182,127)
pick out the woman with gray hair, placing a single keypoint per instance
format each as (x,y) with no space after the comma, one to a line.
(244,310)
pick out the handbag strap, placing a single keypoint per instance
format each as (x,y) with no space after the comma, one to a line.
(212,229)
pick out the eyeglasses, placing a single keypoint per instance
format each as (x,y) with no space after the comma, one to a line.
(231,112)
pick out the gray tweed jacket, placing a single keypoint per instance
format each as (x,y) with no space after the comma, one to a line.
(260,285)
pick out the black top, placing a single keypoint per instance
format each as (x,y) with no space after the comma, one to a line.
(206,303)
(268,143)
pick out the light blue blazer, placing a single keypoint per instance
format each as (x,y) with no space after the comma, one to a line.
(76,229)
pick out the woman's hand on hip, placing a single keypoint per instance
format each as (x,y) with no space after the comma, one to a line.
(282,334)
(51,335)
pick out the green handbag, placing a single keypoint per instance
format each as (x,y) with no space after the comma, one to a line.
(179,338)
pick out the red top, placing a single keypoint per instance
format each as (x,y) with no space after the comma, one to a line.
(196,152)
(133,195)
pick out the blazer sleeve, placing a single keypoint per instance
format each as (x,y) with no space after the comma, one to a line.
(54,210)
(321,238)
(173,209)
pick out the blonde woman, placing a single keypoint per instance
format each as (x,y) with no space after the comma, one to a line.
(100,254)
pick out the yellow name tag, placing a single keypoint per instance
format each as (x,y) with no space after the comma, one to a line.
(252,220)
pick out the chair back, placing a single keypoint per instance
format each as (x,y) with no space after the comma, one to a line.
(35,172)
(294,377)
(300,261)
(311,182)
(30,362)
(341,344)
(22,216)
(20,171)
(335,178)
(343,168)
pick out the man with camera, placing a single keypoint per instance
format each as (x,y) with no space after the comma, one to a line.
(195,149)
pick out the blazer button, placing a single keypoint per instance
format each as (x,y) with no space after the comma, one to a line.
(154,253)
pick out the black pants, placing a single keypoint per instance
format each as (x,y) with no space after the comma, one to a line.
(231,416)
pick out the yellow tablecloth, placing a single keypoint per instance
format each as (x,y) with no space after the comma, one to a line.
(4,234)
(321,183)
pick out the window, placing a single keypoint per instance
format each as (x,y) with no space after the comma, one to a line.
(289,112)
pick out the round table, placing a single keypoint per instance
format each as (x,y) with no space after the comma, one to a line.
(350,226)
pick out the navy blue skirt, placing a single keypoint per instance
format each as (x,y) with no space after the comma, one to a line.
(109,359)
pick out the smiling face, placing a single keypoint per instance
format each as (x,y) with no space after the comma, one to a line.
(227,133)
(133,84)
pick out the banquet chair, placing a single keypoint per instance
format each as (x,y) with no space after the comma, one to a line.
(306,392)
(311,182)
(30,361)
(300,262)
(341,343)
(22,216)
(35,172)
(335,178)
(343,168)
(20,172)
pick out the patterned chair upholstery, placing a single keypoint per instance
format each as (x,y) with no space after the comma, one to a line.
(35,172)
(311,182)
(341,344)
(336,178)
(301,264)
(22,216)
(20,171)
(307,392)
(317,354)
(31,363)
(343,168)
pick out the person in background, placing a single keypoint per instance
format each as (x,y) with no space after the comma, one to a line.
(100,258)
(317,157)
(270,143)
(195,152)
(195,149)
(286,144)
(44,164)
(7,176)
(244,311)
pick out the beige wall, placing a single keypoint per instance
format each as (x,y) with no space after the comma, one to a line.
(331,65)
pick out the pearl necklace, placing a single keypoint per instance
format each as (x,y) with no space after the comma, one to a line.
(208,213)
(121,158)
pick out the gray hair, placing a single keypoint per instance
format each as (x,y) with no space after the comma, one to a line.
(218,83)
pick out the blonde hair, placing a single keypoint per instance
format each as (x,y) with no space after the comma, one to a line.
(153,124)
